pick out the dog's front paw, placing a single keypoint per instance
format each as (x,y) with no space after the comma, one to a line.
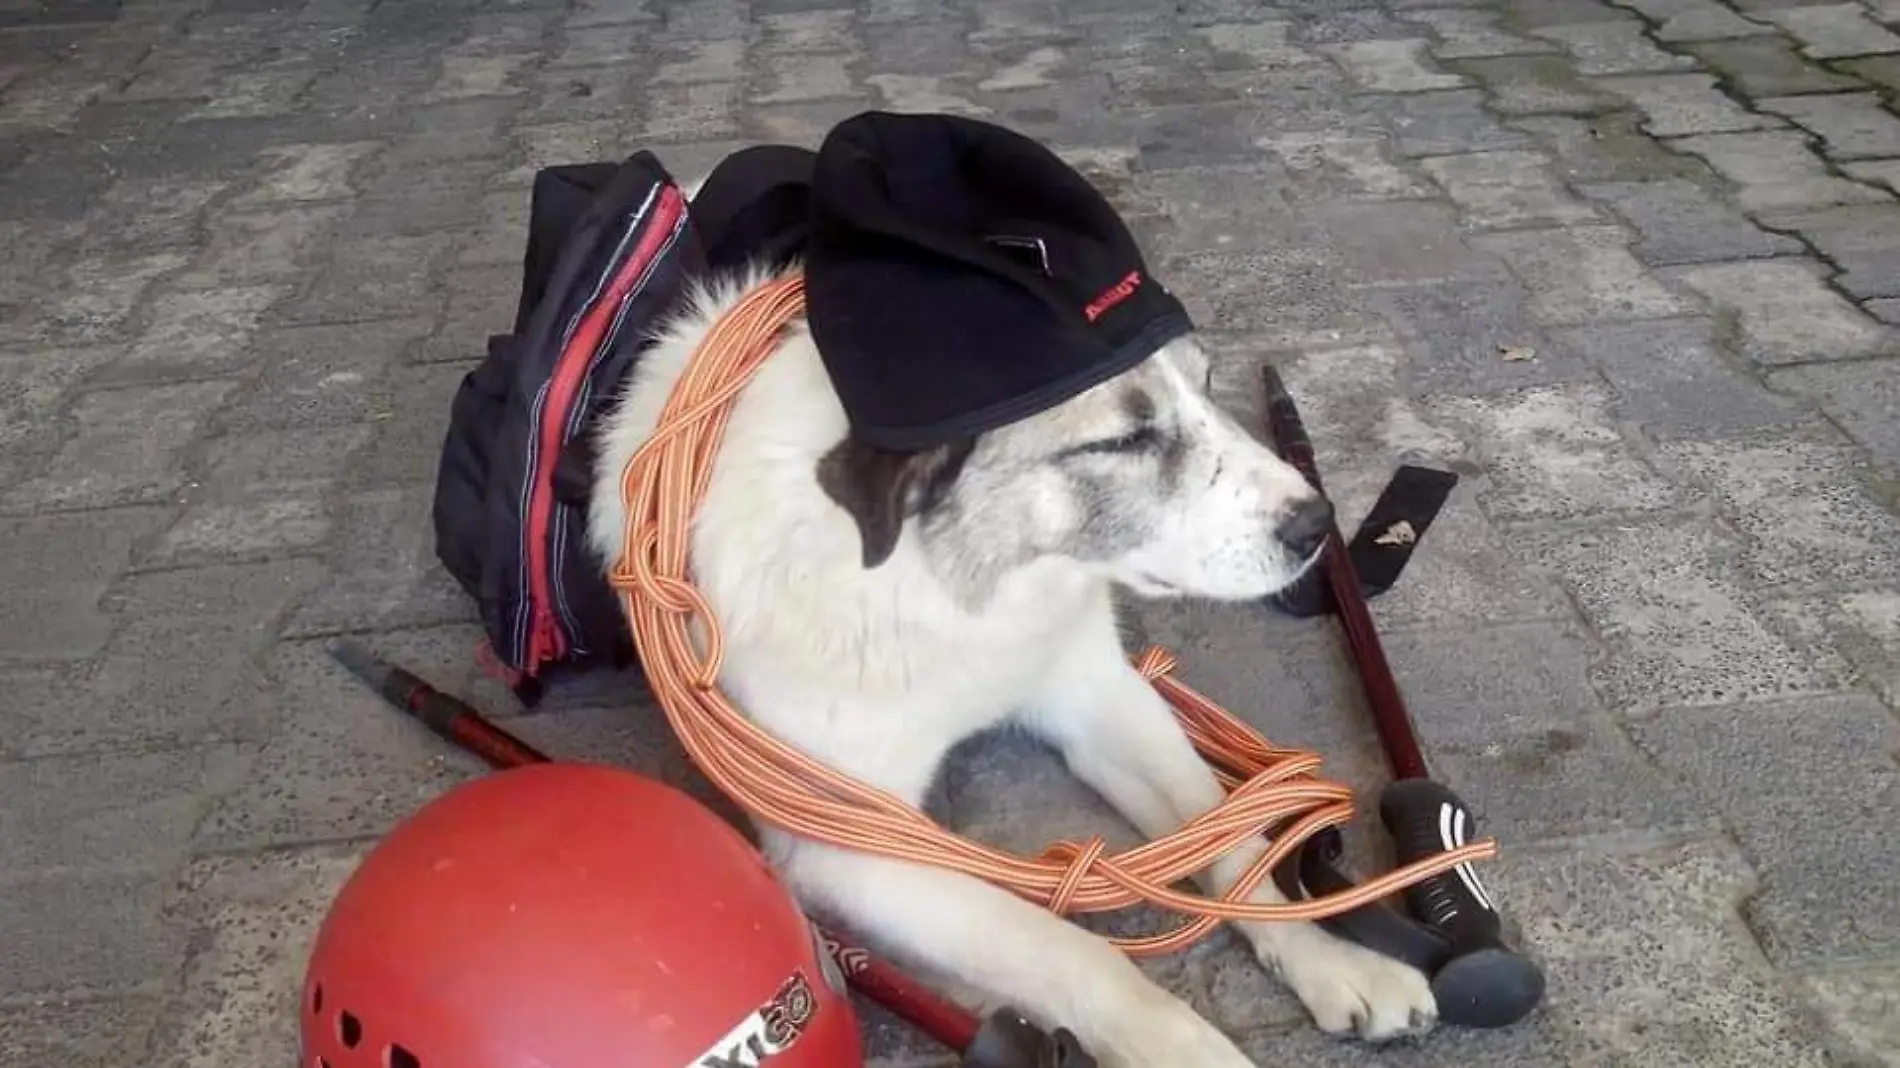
(1166,1034)
(1349,989)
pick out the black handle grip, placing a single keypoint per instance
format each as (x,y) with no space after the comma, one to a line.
(1008,1040)
(1483,983)
(1424,820)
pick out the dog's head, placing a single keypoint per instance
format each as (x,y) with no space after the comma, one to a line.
(1143,480)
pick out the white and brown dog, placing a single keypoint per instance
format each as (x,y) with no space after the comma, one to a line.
(878,611)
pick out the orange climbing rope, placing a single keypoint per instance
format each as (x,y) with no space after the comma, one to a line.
(1270,790)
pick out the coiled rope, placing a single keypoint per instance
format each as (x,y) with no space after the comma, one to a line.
(1269,790)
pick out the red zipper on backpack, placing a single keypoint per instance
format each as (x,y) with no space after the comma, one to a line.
(546,640)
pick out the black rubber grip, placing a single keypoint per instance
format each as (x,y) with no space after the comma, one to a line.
(1424,820)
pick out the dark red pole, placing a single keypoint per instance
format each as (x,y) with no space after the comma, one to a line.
(456,721)
(1394,724)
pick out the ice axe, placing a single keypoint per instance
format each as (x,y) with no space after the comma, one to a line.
(1004,1039)
(1450,929)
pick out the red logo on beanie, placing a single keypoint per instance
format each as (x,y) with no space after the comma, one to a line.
(1112,296)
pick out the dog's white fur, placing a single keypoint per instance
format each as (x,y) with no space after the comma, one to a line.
(996,610)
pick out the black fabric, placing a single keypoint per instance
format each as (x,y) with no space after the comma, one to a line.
(542,601)
(755,207)
(1378,550)
(960,276)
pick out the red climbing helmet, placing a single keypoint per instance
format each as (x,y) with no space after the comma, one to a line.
(570,916)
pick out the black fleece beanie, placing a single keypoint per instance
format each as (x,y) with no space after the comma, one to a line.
(960,276)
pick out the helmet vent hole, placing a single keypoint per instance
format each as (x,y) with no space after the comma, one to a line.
(402,1058)
(316,999)
(350,1029)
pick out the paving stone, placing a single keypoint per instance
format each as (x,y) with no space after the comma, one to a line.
(97,934)
(1535,85)
(352,772)
(261,494)
(1887,311)
(1775,171)
(1673,380)
(1766,66)
(1861,626)
(1385,243)
(1861,396)
(56,569)
(1583,274)
(1863,240)
(1554,453)
(1695,20)
(1827,896)
(1883,172)
(1582,778)
(143,819)
(1834,30)
(1851,125)
(1459,332)
(251,921)
(40,382)
(97,299)
(1673,614)
(1506,189)
(138,214)
(1880,70)
(1442,123)
(1477,687)
(407,450)
(372,278)
(1786,312)
(1679,222)
(1615,47)
(124,448)
(1861,1004)
(314,376)
(180,668)
(1803,517)
(1680,104)
(295,173)
(1608,148)
(1391,66)
(92,1033)
(1537,14)
(248,248)
(199,332)
(379,579)
(1326,166)
(1465,33)
(1286,299)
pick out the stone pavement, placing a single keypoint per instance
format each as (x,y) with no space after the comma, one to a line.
(1632,268)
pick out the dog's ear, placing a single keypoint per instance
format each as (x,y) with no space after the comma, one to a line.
(880,488)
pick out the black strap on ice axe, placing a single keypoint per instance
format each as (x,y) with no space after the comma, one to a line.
(1384,543)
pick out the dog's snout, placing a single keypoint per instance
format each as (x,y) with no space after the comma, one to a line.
(1304,529)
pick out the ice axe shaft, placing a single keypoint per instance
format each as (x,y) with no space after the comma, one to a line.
(1454,932)
(1004,1040)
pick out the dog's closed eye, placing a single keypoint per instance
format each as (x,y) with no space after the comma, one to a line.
(1137,440)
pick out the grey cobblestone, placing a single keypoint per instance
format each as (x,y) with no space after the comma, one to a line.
(1767,66)
(1678,222)
(1619,47)
(1776,172)
(1785,311)
(1816,901)
(1850,125)
(1625,267)
(1862,240)
(1831,31)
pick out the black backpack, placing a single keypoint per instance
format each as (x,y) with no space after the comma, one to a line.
(611,248)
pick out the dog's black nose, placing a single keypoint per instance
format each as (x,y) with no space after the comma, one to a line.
(1304,529)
